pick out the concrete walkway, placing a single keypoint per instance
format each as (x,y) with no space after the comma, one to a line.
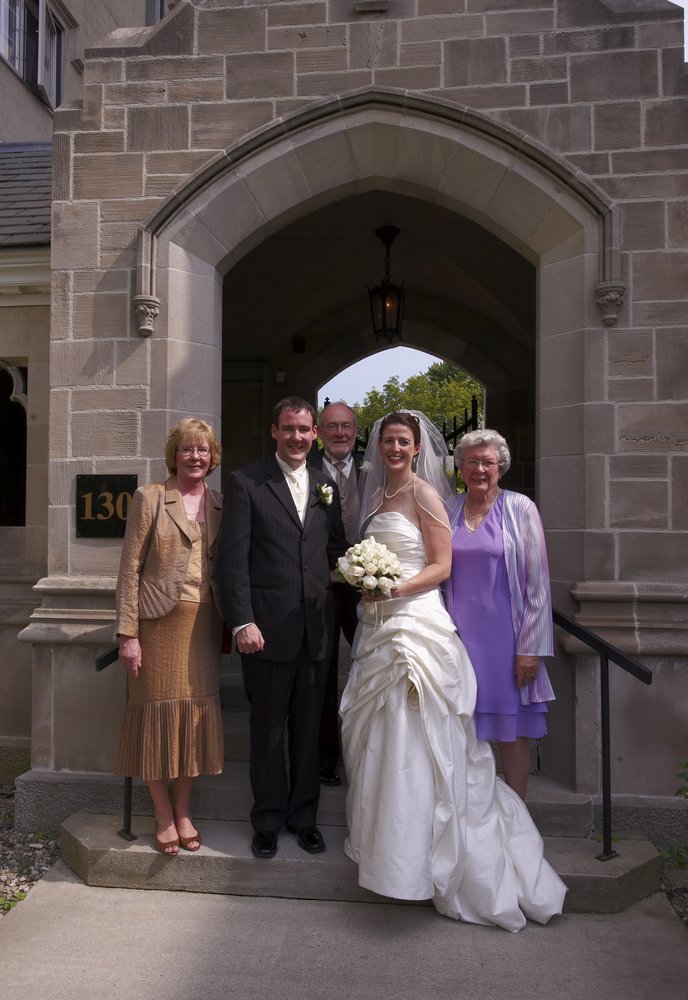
(68,941)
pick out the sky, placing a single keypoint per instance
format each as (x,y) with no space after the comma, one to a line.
(352,384)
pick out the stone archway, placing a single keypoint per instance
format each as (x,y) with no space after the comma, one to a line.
(456,162)
(452,159)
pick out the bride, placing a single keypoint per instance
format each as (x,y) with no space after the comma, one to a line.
(427,816)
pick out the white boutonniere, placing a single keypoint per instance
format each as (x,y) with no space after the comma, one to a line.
(324,494)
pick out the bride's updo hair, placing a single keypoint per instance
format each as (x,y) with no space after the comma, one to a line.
(401,417)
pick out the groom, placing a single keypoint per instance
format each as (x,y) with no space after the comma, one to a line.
(281,534)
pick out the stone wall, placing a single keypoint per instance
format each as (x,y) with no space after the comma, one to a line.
(558,126)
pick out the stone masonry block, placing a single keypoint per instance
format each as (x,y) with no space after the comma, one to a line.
(426,7)
(373,45)
(519,22)
(318,36)
(634,504)
(282,15)
(565,129)
(158,128)
(108,398)
(524,45)
(677,223)
(679,492)
(132,362)
(215,127)
(653,427)
(638,466)
(145,92)
(260,74)
(674,83)
(326,84)
(107,176)
(202,68)
(103,71)
(98,433)
(672,363)
(321,60)
(666,122)
(226,31)
(596,39)
(343,10)
(629,74)
(505,96)
(183,161)
(549,93)
(660,276)
(101,316)
(99,142)
(630,353)
(196,91)
(421,54)
(545,68)
(443,29)
(120,235)
(413,77)
(125,211)
(616,126)
(653,555)
(101,281)
(81,362)
(630,390)
(643,226)
(74,236)
(644,161)
(475,61)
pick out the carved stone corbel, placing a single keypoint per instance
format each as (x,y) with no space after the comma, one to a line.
(609,296)
(146,309)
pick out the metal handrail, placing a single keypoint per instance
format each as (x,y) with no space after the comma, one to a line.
(607,652)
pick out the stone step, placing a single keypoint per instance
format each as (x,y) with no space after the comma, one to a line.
(91,846)
(556,811)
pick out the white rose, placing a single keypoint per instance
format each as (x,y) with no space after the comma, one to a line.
(357,572)
(369,582)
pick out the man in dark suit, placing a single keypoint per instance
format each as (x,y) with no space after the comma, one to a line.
(337,429)
(280,537)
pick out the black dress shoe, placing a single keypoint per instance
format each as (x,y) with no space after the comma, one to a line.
(264,843)
(329,776)
(309,838)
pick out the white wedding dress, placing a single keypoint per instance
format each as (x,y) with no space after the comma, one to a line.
(427,816)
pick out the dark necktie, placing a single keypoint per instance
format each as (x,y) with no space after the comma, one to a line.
(349,499)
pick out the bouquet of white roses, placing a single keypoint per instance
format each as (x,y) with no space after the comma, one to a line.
(370,566)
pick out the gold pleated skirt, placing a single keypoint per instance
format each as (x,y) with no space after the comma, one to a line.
(172,726)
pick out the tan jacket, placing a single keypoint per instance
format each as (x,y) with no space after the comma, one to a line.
(156,552)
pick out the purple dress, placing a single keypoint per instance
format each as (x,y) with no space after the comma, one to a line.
(481,610)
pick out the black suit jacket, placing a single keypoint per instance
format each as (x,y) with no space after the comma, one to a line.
(272,570)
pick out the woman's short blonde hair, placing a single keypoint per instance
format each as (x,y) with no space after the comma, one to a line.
(190,430)
(484,439)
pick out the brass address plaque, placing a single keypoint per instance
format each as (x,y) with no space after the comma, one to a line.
(101,505)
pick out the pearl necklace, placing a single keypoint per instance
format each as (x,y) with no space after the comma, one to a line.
(481,516)
(390,496)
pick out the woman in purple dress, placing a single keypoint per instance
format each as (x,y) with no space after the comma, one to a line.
(499,598)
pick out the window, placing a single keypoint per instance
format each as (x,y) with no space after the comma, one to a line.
(31,37)
(156,10)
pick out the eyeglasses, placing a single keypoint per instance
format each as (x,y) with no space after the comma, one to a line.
(189,449)
(473,463)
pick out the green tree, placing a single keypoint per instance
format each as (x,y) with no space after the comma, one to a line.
(442,392)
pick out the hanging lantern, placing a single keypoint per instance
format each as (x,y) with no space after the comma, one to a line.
(387,299)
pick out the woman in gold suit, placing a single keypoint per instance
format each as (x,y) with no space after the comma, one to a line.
(170,634)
